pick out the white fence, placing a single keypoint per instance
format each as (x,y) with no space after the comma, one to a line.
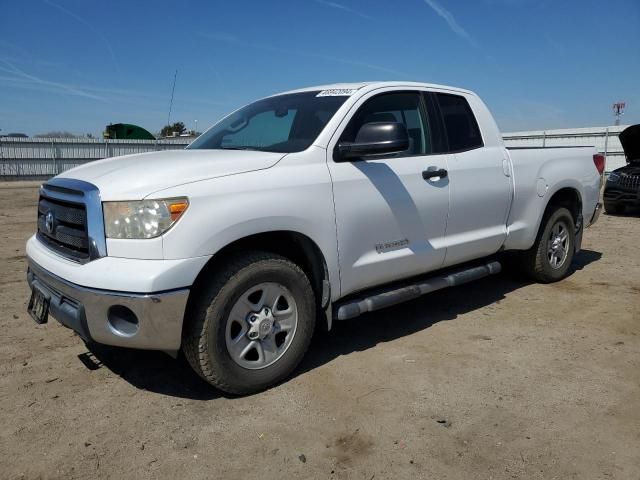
(605,139)
(23,158)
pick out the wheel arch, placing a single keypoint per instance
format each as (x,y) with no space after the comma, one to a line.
(295,246)
(570,198)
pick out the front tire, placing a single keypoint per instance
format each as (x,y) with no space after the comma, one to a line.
(550,257)
(250,323)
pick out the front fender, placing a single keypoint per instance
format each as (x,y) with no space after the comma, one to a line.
(292,196)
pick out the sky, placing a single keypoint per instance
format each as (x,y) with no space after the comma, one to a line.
(78,65)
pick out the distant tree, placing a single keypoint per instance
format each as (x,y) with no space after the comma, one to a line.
(56,134)
(90,135)
(167,131)
(19,135)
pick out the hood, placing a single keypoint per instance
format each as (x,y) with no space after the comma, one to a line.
(630,140)
(133,177)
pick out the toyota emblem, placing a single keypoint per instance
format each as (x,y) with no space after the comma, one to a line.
(49,222)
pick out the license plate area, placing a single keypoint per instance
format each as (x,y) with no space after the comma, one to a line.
(39,305)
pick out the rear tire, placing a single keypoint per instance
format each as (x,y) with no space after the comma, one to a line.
(224,337)
(550,257)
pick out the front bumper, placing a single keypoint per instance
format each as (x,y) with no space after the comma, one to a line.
(619,195)
(146,321)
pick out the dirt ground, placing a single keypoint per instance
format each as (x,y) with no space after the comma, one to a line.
(497,379)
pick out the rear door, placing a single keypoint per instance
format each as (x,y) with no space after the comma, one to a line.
(390,220)
(479,183)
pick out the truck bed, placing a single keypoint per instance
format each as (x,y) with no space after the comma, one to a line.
(538,174)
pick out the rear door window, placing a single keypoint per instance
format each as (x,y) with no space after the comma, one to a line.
(460,124)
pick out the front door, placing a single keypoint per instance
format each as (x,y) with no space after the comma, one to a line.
(390,220)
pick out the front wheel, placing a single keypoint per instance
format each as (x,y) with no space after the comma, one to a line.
(250,323)
(550,257)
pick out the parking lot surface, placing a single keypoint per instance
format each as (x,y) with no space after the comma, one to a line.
(496,379)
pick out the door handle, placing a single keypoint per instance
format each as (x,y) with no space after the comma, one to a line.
(427,174)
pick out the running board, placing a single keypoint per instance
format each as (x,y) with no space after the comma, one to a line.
(359,306)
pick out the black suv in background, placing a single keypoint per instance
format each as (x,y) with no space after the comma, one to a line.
(623,184)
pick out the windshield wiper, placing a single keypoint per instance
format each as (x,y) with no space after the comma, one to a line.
(240,148)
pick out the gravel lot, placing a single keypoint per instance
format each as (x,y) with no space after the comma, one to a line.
(497,379)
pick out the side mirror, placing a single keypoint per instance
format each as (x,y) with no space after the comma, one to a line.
(376,138)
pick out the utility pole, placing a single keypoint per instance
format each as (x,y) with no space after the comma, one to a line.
(618,111)
(173,89)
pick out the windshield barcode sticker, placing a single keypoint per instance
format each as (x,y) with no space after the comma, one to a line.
(337,92)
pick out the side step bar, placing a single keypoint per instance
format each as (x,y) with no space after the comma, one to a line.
(359,306)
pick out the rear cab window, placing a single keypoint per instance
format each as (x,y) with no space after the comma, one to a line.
(459,122)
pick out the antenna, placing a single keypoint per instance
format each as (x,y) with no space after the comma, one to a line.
(618,111)
(173,89)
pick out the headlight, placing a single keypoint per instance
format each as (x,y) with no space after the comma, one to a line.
(142,219)
(613,178)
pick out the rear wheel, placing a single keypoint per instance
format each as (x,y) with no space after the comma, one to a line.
(550,257)
(251,323)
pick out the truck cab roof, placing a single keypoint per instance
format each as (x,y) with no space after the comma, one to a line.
(378,84)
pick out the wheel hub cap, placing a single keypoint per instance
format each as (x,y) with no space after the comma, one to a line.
(558,245)
(261,325)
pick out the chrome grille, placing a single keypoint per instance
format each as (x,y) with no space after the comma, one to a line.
(629,180)
(70,219)
(63,227)
(74,214)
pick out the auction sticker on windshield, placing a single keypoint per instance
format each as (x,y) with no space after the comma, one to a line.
(337,92)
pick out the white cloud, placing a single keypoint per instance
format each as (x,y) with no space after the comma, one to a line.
(451,21)
(19,78)
(90,27)
(301,53)
(16,78)
(342,7)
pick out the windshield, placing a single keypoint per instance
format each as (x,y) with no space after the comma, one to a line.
(284,123)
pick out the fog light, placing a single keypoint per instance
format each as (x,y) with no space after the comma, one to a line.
(122,320)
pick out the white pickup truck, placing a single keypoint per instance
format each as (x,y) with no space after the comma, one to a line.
(296,211)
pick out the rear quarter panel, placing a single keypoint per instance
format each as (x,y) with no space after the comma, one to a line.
(538,174)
